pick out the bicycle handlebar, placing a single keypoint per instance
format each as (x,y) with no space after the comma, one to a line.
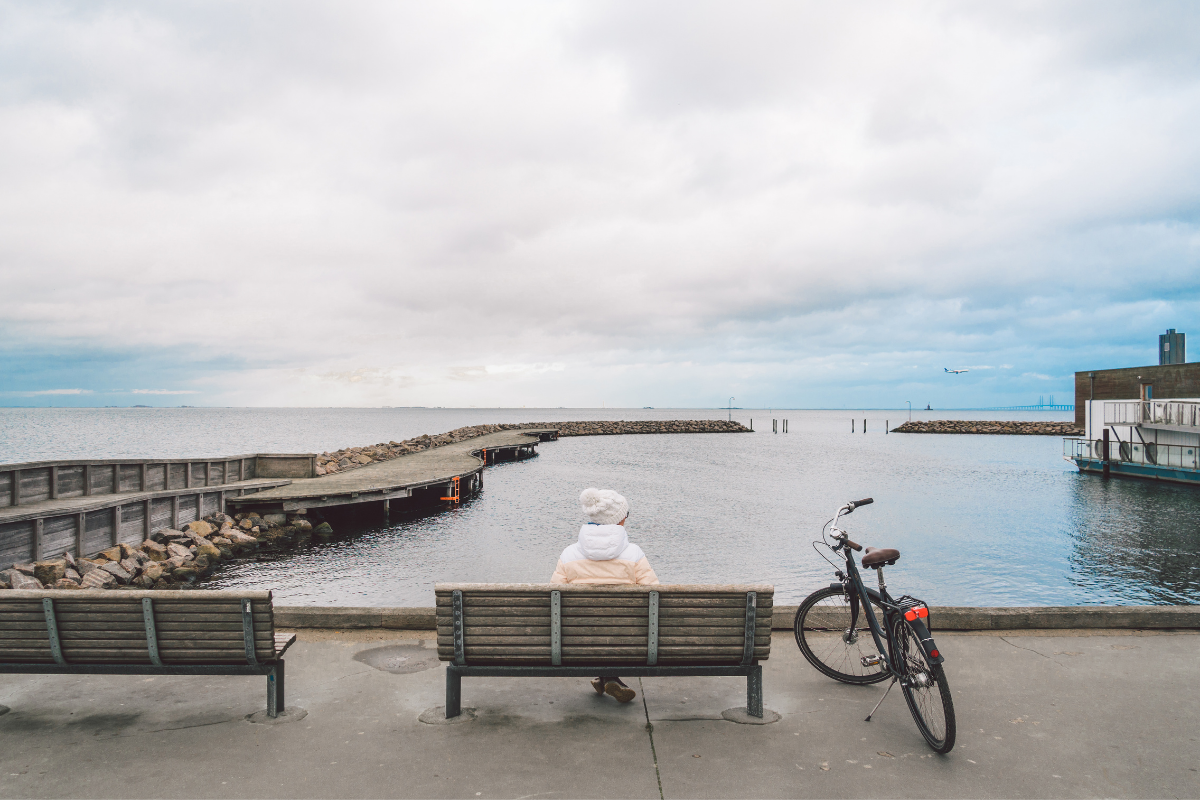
(852,545)
(864,502)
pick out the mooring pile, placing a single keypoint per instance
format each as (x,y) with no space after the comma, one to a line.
(169,559)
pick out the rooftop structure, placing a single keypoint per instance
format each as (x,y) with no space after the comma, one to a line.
(1172,347)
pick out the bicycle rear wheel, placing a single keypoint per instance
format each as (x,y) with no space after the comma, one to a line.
(924,687)
(824,635)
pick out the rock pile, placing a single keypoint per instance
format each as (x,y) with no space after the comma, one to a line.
(991,427)
(169,559)
(354,457)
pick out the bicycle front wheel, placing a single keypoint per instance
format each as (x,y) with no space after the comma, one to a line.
(825,636)
(924,687)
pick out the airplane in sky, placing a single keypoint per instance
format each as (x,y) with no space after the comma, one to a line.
(956,371)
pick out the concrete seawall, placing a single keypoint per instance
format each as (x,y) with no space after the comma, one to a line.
(949,618)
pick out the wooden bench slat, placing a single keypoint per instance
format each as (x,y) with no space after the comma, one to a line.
(139,625)
(68,617)
(212,609)
(582,650)
(638,641)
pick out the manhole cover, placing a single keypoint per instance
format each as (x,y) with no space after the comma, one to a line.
(400,659)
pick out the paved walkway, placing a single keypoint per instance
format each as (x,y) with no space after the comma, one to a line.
(1100,715)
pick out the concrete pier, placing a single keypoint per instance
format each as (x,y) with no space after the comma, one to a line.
(402,477)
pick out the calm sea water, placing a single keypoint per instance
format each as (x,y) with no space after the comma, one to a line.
(980,520)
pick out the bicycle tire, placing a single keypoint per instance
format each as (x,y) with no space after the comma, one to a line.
(924,686)
(821,625)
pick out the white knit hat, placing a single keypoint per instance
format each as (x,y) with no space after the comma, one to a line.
(604,506)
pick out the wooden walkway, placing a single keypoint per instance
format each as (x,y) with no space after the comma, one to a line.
(441,467)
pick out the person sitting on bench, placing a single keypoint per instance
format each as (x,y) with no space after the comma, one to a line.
(604,555)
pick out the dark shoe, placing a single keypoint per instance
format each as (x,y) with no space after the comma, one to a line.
(598,685)
(622,693)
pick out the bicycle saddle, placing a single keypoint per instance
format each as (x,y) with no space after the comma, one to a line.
(876,557)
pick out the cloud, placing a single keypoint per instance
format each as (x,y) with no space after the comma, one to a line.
(52,392)
(164,391)
(308,204)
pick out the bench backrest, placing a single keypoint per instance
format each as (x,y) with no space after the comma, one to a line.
(136,627)
(554,624)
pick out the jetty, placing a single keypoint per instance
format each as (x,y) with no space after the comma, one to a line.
(449,472)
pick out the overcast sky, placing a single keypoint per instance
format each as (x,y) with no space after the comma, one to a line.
(576,204)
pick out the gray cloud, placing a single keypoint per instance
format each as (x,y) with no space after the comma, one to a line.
(461,203)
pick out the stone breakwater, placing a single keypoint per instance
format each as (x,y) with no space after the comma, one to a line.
(998,427)
(353,457)
(169,559)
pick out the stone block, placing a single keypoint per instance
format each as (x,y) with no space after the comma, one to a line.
(118,572)
(242,540)
(185,574)
(154,551)
(275,519)
(200,528)
(99,579)
(131,566)
(86,565)
(178,551)
(20,580)
(65,583)
(50,571)
(208,550)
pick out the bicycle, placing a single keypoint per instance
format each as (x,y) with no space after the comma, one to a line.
(831,635)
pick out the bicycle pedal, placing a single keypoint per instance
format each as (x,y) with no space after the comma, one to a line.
(871,661)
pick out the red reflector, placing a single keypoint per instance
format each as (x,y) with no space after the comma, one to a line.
(922,612)
(910,615)
(933,653)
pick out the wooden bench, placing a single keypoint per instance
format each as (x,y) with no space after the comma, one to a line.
(569,630)
(126,632)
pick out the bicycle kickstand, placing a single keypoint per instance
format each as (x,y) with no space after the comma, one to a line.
(877,705)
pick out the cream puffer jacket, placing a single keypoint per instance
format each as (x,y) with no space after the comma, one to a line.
(604,554)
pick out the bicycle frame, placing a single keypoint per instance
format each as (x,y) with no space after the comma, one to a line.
(862,595)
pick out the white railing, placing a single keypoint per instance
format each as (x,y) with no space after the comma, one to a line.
(1171,413)
(1179,456)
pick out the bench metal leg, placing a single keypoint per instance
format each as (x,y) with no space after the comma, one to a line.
(754,700)
(275,690)
(453,693)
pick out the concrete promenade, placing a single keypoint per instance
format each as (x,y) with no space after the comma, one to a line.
(1062,713)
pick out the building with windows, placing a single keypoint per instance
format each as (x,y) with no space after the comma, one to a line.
(1139,421)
